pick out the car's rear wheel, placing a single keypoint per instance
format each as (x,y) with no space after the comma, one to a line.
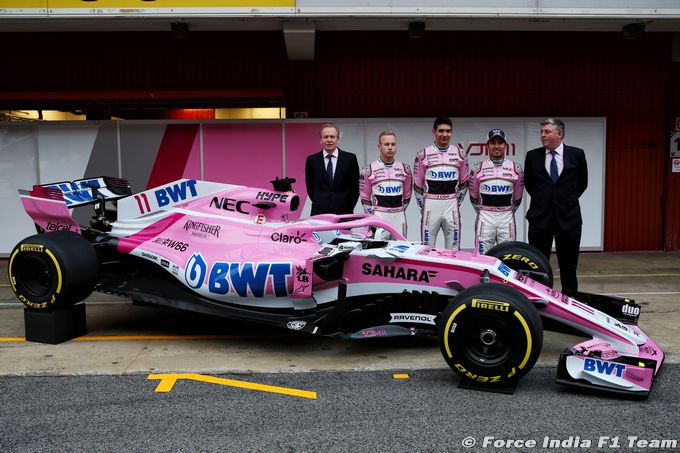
(53,270)
(520,256)
(490,334)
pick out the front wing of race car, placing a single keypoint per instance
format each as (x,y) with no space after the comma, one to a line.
(599,365)
(595,364)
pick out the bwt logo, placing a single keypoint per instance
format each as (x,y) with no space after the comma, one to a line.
(166,195)
(437,175)
(76,192)
(395,190)
(175,192)
(602,367)
(495,189)
(243,279)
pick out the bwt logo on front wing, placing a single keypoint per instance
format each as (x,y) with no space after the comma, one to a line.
(164,196)
(244,279)
(603,367)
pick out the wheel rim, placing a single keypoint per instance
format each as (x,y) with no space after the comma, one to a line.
(36,276)
(486,339)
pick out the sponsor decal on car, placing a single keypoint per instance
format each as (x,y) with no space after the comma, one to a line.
(505,270)
(603,367)
(165,264)
(202,229)
(270,196)
(244,279)
(370,333)
(520,258)
(296,238)
(399,248)
(296,325)
(397,272)
(51,226)
(150,256)
(76,192)
(172,244)
(490,305)
(418,318)
(629,310)
(32,248)
(166,195)
(301,274)
(230,204)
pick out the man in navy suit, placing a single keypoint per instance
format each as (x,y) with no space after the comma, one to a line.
(555,176)
(332,176)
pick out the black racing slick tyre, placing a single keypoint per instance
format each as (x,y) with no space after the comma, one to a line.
(490,334)
(53,270)
(520,256)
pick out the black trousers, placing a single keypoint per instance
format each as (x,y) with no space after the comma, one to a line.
(567,244)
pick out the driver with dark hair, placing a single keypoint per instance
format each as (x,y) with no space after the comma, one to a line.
(440,175)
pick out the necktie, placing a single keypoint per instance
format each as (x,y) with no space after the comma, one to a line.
(553,168)
(329,168)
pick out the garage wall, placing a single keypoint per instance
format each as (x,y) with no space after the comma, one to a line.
(385,74)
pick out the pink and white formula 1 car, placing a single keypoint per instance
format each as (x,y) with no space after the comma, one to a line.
(235,251)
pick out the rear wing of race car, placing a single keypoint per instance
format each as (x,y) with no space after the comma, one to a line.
(49,204)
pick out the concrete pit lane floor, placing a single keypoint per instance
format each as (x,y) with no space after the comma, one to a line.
(123,338)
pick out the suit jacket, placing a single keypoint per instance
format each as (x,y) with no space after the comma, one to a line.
(342,195)
(560,198)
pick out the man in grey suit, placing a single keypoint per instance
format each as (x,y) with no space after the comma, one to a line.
(332,176)
(556,175)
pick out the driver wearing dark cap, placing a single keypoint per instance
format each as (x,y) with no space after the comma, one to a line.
(496,186)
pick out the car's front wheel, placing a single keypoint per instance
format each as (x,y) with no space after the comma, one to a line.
(490,334)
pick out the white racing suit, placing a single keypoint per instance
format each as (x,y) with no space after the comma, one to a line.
(496,190)
(440,182)
(385,191)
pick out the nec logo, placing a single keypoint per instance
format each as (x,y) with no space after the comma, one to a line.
(496,189)
(169,194)
(602,367)
(441,174)
(396,190)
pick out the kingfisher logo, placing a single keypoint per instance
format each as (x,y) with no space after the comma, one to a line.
(245,279)
(604,367)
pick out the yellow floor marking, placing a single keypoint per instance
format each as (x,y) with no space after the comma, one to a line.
(167,382)
(11,339)
(400,376)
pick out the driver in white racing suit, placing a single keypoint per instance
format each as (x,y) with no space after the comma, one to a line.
(385,187)
(440,175)
(496,187)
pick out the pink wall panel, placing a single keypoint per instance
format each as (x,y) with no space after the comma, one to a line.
(239,153)
(301,141)
(193,167)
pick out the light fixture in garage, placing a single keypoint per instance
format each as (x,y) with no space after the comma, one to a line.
(416,29)
(180,30)
(633,31)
